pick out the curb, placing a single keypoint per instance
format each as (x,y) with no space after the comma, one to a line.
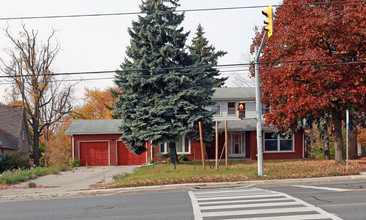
(183,187)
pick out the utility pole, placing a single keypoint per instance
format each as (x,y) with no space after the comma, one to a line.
(268,30)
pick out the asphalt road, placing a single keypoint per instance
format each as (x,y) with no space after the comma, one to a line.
(152,206)
(347,201)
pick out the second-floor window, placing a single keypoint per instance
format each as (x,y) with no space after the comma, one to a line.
(231,108)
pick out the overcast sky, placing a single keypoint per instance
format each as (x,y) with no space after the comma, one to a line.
(99,43)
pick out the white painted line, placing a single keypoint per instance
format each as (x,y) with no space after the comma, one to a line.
(237,197)
(195,206)
(256,211)
(244,201)
(227,191)
(321,211)
(287,217)
(248,205)
(318,187)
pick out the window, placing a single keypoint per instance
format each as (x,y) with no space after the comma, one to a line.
(273,143)
(23,135)
(216,109)
(182,144)
(231,108)
(163,148)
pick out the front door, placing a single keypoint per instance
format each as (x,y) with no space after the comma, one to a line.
(236,144)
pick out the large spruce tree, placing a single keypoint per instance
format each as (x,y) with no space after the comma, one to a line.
(153,103)
(162,95)
(204,77)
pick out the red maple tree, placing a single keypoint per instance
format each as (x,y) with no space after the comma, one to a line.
(314,64)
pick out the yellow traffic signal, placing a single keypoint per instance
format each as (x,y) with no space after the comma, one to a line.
(269,21)
(241,110)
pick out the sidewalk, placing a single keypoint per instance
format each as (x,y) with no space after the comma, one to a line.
(83,191)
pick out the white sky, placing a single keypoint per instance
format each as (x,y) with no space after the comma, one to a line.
(99,43)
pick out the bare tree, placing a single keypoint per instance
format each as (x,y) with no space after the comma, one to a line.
(243,79)
(44,99)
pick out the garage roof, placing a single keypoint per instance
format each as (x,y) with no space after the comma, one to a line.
(98,126)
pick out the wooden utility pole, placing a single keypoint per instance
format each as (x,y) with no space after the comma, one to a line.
(227,166)
(217,145)
(202,151)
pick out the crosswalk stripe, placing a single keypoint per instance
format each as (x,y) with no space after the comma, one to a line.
(287,217)
(246,206)
(253,204)
(225,191)
(236,197)
(244,201)
(253,212)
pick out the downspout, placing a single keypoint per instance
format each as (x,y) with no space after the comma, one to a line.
(73,146)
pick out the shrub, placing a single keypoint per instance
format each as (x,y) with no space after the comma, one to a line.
(14,161)
(183,157)
(75,162)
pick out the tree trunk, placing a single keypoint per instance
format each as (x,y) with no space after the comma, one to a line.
(312,142)
(338,139)
(326,143)
(326,149)
(353,141)
(36,144)
(173,152)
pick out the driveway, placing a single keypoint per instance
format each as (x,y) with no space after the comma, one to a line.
(69,183)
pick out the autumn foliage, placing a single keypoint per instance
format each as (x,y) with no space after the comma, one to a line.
(96,103)
(314,64)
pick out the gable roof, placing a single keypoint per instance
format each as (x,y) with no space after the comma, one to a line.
(11,122)
(234,94)
(97,126)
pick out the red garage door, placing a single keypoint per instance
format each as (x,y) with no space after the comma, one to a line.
(125,157)
(94,153)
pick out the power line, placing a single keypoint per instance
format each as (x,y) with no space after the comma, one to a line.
(180,10)
(236,65)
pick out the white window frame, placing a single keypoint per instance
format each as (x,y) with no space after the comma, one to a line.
(228,109)
(278,144)
(178,152)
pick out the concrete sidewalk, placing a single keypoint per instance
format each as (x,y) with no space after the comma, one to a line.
(75,189)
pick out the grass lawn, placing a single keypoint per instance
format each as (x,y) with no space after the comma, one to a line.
(187,172)
(19,175)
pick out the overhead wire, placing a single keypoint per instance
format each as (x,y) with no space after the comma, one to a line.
(179,10)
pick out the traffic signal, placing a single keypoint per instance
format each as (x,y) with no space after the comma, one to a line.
(241,110)
(269,21)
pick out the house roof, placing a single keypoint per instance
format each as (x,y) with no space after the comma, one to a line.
(111,126)
(11,121)
(234,94)
(97,126)
(248,124)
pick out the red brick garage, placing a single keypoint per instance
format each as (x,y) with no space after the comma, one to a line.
(96,143)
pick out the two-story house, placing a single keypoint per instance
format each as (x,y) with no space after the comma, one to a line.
(96,142)
(242,135)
